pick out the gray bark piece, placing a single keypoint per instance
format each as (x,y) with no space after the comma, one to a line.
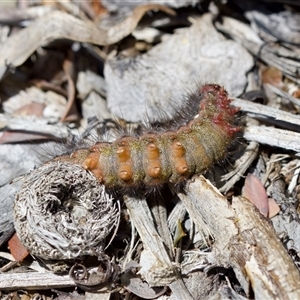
(33,124)
(113,5)
(15,160)
(88,81)
(95,105)
(285,139)
(288,225)
(7,193)
(266,112)
(153,84)
(154,257)
(285,25)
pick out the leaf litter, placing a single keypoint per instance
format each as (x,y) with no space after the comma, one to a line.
(62,64)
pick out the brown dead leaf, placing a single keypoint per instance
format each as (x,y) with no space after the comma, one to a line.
(256,193)
(17,250)
(274,208)
(32,109)
(19,136)
(296,94)
(49,86)
(272,76)
(71,113)
(98,8)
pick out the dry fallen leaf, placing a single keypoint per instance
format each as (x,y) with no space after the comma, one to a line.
(296,94)
(256,193)
(274,208)
(272,76)
(18,136)
(17,250)
(32,109)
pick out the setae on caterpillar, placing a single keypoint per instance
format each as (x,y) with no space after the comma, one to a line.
(172,155)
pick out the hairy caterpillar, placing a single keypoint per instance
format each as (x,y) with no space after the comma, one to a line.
(168,156)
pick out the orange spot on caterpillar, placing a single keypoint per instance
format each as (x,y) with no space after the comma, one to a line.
(178,153)
(181,166)
(178,149)
(98,174)
(154,169)
(91,162)
(152,152)
(123,154)
(125,172)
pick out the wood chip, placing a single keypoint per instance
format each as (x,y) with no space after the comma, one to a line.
(33,281)
(245,241)
(274,137)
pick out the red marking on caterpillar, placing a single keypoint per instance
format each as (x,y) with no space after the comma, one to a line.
(168,156)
